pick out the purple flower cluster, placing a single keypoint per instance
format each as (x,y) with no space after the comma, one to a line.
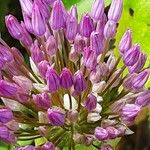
(69,93)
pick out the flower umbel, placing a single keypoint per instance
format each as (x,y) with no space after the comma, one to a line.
(69,94)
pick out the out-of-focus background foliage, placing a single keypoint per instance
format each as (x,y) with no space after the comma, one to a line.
(136,15)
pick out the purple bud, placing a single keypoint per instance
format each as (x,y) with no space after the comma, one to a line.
(29,147)
(6,115)
(112,132)
(79,82)
(48,146)
(56,117)
(132,55)
(14,27)
(72,115)
(71,28)
(57,15)
(36,53)
(110,29)
(129,112)
(53,80)
(126,42)
(139,64)
(73,55)
(28,23)
(26,6)
(101,133)
(115,10)
(51,46)
(143,99)
(73,12)
(96,42)
(38,20)
(98,9)
(86,26)
(66,79)
(90,103)
(7,89)
(140,80)
(90,58)
(79,44)
(106,147)
(6,135)
(42,100)
(42,66)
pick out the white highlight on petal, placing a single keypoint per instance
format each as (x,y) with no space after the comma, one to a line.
(67,102)
(93,117)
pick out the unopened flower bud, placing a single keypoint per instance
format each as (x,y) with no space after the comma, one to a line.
(72,115)
(48,146)
(73,12)
(66,78)
(56,117)
(79,82)
(112,132)
(90,102)
(86,26)
(101,133)
(140,80)
(6,115)
(115,10)
(132,55)
(7,89)
(57,15)
(126,42)
(53,80)
(106,147)
(73,55)
(98,9)
(110,29)
(42,100)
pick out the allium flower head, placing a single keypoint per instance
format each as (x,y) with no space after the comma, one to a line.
(69,92)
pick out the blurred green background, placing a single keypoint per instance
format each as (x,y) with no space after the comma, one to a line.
(136,15)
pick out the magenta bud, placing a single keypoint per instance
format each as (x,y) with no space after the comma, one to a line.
(53,80)
(101,133)
(110,29)
(6,135)
(71,28)
(42,66)
(57,15)
(26,6)
(36,54)
(73,55)
(139,64)
(7,89)
(79,44)
(48,146)
(112,132)
(125,42)
(86,26)
(14,27)
(97,9)
(129,112)
(90,103)
(143,99)
(89,58)
(56,116)
(38,20)
(106,147)
(42,100)
(140,80)
(79,82)
(96,42)
(6,115)
(66,78)
(51,46)
(132,55)
(73,12)
(115,10)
